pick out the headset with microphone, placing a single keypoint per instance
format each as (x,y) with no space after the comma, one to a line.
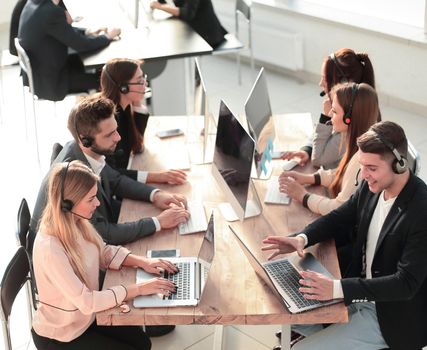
(347,115)
(400,163)
(124,87)
(87,140)
(344,77)
(67,204)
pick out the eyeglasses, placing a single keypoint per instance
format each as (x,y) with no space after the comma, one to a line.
(143,81)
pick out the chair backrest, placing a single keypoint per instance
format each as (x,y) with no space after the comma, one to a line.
(23,223)
(15,276)
(56,149)
(24,62)
(244,7)
(414,159)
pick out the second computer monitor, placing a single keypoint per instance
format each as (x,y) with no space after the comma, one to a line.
(260,121)
(232,162)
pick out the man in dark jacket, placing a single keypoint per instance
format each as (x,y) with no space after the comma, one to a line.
(46,36)
(385,285)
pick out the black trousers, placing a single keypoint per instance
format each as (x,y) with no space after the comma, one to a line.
(99,337)
(78,79)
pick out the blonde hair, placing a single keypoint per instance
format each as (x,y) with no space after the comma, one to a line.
(70,184)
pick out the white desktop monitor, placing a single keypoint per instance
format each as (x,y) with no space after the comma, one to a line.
(232,161)
(260,121)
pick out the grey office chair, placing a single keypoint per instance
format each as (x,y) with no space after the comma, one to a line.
(413,158)
(24,62)
(15,276)
(232,42)
(23,226)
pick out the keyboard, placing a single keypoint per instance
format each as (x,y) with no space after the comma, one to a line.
(287,276)
(197,221)
(273,195)
(181,280)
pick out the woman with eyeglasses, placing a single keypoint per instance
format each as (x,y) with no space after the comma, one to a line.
(68,255)
(124,82)
(343,66)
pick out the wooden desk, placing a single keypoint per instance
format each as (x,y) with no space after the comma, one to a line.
(234,294)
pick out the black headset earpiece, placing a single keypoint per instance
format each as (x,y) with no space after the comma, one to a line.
(400,163)
(347,115)
(344,78)
(123,87)
(66,204)
(87,141)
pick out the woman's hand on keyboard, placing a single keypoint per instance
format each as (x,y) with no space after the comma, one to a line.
(283,245)
(156,285)
(173,216)
(156,266)
(292,188)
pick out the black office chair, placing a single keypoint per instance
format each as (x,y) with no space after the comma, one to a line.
(15,276)
(23,223)
(56,149)
(23,226)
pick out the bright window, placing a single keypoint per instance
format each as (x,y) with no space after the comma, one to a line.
(410,12)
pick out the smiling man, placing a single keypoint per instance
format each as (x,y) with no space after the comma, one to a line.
(385,285)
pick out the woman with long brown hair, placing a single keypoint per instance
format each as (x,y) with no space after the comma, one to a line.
(67,256)
(342,66)
(124,82)
(354,109)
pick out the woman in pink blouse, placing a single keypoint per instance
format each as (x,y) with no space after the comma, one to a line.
(68,254)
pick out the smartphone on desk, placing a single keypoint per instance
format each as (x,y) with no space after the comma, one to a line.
(169,133)
(164,253)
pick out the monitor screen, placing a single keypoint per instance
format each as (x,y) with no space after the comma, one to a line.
(233,155)
(260,121)
(200,102)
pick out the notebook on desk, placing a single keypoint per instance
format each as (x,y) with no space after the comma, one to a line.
(190,280)
(282,276)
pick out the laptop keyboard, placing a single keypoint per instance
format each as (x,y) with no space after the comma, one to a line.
(197,221)
(288,278)
(273,194)
(181,280)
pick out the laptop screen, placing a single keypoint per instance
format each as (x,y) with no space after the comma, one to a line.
(207,250)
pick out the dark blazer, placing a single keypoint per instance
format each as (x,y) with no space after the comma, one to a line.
(46,36)
(120,159)
(112,183)
(399,268)
(200,15)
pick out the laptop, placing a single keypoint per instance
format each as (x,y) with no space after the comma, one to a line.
(190,280)
(282,276)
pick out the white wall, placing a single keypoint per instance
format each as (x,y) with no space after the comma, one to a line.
(400,65)
(6,8)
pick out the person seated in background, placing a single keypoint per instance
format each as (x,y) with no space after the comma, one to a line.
(385,286)
(199,14)
(67,256)
(46,36)
(94,129)
(343,66)
(123,82)
(354,109)
(14,22)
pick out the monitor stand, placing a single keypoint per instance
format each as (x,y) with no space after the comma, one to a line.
(253,207)
(264,175)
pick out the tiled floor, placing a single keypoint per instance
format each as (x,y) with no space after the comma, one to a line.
(21,175)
